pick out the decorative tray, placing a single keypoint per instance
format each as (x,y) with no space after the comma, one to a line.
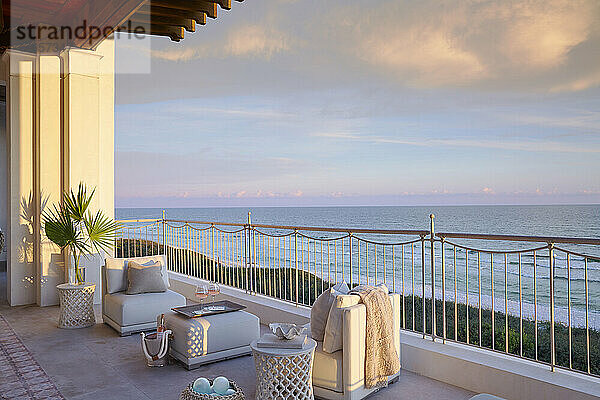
(218,307)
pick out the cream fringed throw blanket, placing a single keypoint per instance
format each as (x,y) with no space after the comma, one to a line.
(381,358)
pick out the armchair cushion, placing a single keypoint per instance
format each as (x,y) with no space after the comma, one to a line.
(320,310)
(140,308)
(328,369)
(333,340)
(115,271)
(145,278)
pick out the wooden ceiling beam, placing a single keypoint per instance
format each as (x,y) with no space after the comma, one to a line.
(152,11)
(187,23)
(225,4)
(205,6)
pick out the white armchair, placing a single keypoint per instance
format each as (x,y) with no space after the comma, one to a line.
(133,313)
(340,375)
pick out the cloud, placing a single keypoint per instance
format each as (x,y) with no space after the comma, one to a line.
(540,34)
(578,84)
(466,42)
(256,41)
(521,145)
(538,46)
(242,41)
(421,52)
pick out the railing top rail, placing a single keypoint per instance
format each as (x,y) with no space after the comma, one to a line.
(441,235)
(345,230)
(183,221)
(310,228)
(519,238)
(131,221)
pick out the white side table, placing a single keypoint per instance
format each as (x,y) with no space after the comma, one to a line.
(76,305)
(283,374)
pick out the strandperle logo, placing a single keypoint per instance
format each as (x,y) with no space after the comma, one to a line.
(69,33)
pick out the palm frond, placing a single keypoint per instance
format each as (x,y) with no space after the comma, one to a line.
(60,228)
(101,231)
(78,203)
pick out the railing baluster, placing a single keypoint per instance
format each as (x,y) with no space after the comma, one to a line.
(302,268)
(492,300)
(394,269)
(350,249)
(358,242)
(479,290)
(322,268)
(467,294)
(265,281)
(403,292)
(367,260)
(412,252)
(552,344)
(506,303)
(279,265)
(520,311)
(587,312)
(535,305)
(335,263)
(433,318)
(315,262)
(443,293)
(375,258)
(384,268)
(423,281)
(214,275)
(296,261)
(455,297)
(569,310)
(344,263)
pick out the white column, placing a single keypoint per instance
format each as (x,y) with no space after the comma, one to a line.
(21,271)
(89,132)
(48,174)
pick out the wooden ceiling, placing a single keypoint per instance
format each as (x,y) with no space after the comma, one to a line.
(169,18)
(172,18)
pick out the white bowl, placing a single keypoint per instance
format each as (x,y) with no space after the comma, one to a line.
(286,331)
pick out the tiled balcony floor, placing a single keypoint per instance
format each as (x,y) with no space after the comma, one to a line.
(95,363)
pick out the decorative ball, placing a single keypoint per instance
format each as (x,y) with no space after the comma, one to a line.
(220,385)
(202,385)
(229,391)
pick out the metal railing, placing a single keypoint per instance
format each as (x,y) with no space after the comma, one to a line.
(526,296)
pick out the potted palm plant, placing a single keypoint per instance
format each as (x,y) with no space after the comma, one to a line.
(71,225)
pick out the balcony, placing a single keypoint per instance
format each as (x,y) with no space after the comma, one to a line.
(528,286)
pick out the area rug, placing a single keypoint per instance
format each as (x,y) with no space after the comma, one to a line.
(21,377)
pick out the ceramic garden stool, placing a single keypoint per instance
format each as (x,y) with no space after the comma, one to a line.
(283,374)
(76,305)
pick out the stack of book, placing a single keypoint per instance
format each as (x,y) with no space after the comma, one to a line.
(269,340)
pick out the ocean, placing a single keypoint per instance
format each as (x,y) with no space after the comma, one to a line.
(552,220)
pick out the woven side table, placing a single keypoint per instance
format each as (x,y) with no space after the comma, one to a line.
(76,305)
(283,374)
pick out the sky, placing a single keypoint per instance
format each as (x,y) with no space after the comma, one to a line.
(354,102)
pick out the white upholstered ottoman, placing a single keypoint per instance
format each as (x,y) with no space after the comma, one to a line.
(203,340)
